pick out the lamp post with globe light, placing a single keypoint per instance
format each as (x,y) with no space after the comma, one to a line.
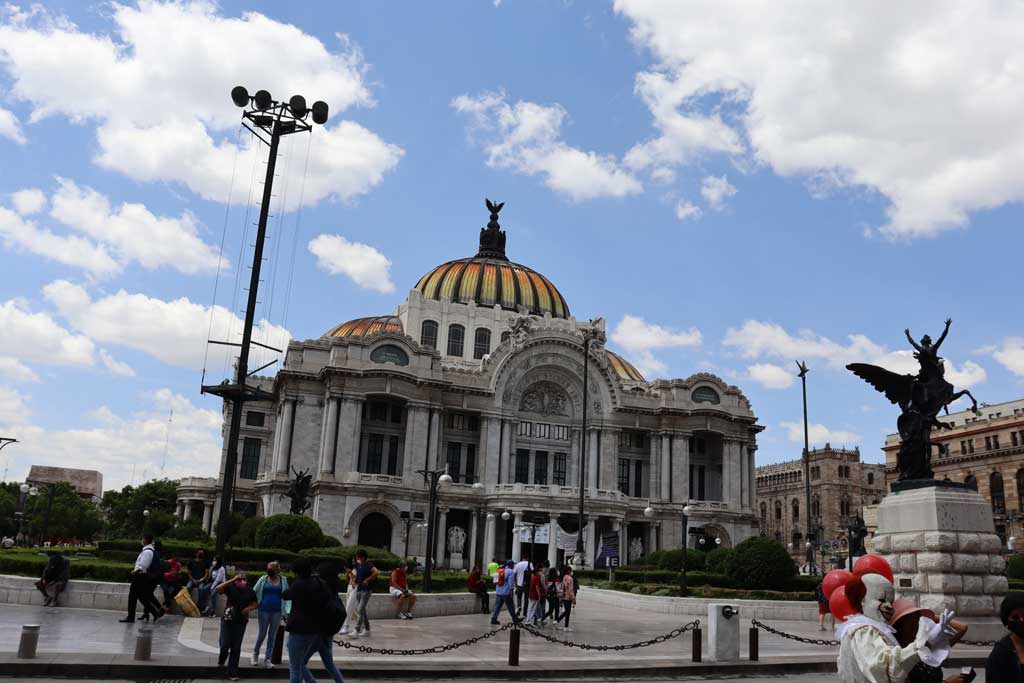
(434,479)
(649,513)
(25,490)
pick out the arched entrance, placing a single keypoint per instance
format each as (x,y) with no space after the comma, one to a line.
(375,531)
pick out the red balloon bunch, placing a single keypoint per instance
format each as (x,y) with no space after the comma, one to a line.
(834,583)
(873,564)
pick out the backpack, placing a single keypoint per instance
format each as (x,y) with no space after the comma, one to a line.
(155,570)
(553,589)
(501,576)
(331,616)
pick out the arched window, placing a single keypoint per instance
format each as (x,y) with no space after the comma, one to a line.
(871,478)
(1020,489)
(481,343)
(971,482)
(796,509)
(705,395)
(428,334)
(840,471)
(764,512)
(816,507)
(995,484)
(456,337)
(778,510)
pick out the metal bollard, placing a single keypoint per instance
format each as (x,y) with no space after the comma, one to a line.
(29,641)
(513,646)
(144,643)
(695,648)
(275,658)
(753,644)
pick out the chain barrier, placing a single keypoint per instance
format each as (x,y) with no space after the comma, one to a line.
(437,649)
(800,639)
(674,633)
(978,643)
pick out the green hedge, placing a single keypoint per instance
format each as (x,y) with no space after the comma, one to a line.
(762,563)
(184,550)
(96,570)
(719,560)
(654,577)
(295,532)
(673,560)
(1015,567)
(382,559)
(703,591)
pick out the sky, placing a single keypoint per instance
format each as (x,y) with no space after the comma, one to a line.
(731,186)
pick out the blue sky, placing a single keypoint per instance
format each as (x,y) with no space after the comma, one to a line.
(730,190)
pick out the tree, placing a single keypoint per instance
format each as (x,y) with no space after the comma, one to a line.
(59,512)
(761,563)
(8,505)
(124,509)
(291,532)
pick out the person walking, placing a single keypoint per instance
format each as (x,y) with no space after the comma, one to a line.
(492,568)
(823,608)
(308,595)
(366,574)
(476,584)
(504,583)
(568,595)
(218,575)
(327,574)
(398,586)
(56,575)
(536,594)
(272,609)
(241,600)
(523,570)
(350,601)
(554,591)
(141,588)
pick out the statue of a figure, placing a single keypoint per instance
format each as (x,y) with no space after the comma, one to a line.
(298,491)
(920,397)
(860,530)
(456,540)
(636,549)
(519,329)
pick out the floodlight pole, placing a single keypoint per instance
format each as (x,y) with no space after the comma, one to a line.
(807,455)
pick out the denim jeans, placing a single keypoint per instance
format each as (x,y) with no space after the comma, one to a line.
(300,645)
(506,600)
(202,592)
(323,647)
(231,634)
(362,600)
(269,623)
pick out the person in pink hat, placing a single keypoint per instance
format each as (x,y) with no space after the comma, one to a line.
(906,617)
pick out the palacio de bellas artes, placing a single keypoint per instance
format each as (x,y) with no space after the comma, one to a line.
(480,373)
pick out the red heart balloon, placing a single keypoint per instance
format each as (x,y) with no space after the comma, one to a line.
(873,564)
(833,580)
(839,605)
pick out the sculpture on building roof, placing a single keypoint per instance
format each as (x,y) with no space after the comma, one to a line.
(492,238)
(920,397)
(298,491)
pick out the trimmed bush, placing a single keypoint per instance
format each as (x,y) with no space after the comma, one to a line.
(331,542)
(246,535)
(189,531)
(805,583)
(719,560)
(384,560)
(673,560)
(1015,567)
(294,532)
(762,563)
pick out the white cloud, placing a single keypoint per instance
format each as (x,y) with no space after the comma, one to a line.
(757,339)
(132,231)
(10,127)
(819,434)
(367,267)
(639,338)
(16,371)
(28,202)
(186,57)
(119,445)
(24,235)
(686,210)
(115,366)
(174,332)
(716,190)
(38,338)
(1011,355)
(771,376)
(525,137)
(904,99)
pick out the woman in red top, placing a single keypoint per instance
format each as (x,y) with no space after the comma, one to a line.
(538,593)
(476,584)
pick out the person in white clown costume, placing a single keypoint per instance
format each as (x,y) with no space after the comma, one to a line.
(868,649)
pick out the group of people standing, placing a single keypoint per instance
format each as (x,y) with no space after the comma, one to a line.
(532,595)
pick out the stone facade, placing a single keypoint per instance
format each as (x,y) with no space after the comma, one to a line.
(841,487)
(987,452)
(496,396)
(87,483)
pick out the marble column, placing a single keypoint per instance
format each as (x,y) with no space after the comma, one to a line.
(552,539)
(180,513)
(517,544)
(609,460)
(354,433)
(654,467)
(415,455)
(623,543)
(188,511)
(666,467)
(490,531)
(490,453)
(651,543)
(593,477)
(472,538)
(435,436)
(681,468)
(284,452)
(572,470)
(207,516)
(752,477)
(506,453)
(441,537)
(589,542)
(742,483)
(330,435)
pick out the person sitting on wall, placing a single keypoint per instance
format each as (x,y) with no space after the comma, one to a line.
(56,575)
(399,589)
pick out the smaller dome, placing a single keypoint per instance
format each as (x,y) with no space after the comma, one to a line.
(623,368)
(364,327)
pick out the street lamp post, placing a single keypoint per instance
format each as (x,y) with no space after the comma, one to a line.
(807,450)
(589,335)
(263,116)
(26,490)
(682,575)
(433,479)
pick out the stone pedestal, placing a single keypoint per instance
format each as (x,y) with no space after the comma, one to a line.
(455,561)
(723,633)
(945,554)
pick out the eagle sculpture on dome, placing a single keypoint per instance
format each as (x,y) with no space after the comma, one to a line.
(492,238)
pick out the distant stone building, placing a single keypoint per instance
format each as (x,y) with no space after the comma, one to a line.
(841,487)
(88,483)
(986,452)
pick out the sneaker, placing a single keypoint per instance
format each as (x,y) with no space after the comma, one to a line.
(495,623)
(568,628)
(408,615)
(403,616)
(268,664)
(254,660)
(357,634)
(343,631)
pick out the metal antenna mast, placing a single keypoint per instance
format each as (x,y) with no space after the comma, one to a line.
(269,120)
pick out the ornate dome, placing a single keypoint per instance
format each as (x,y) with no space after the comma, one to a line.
(363,327)
(623,368)
(490,278)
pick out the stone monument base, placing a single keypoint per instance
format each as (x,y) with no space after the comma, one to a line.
(945,554)
(455,561)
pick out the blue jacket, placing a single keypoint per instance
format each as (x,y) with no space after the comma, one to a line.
(286,605)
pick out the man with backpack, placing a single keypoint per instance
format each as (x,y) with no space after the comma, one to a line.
(308,595)
(523,571)
(504,580)
(144,578)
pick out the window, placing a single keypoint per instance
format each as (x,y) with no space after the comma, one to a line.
(624,476)
(796,509)
(560,432)
(481,343)
(816,507)
(995,483)
(1020,489)
(558,475)
(698,446)
(1013,439)
(638,478)
(778,510)
(971,482)
(428,334)
(635,440)
(540,467)
(871,478)
(522,466)
(970,445)
(456,336)
(764,513)
(525,429)
(541,430)
(393,456)
(250,458)
(988,443)
(705,395)
(396,413)
(470,463)
(389,353)
(378,411)
(844,508)
(995,442)
(454,461)
(462,422)
(254,418)
(840,471)
(374,453)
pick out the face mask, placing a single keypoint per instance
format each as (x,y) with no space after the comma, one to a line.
(241,584)
(1016,628)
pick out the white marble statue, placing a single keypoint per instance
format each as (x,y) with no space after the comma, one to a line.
(636,549)
(456,540)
